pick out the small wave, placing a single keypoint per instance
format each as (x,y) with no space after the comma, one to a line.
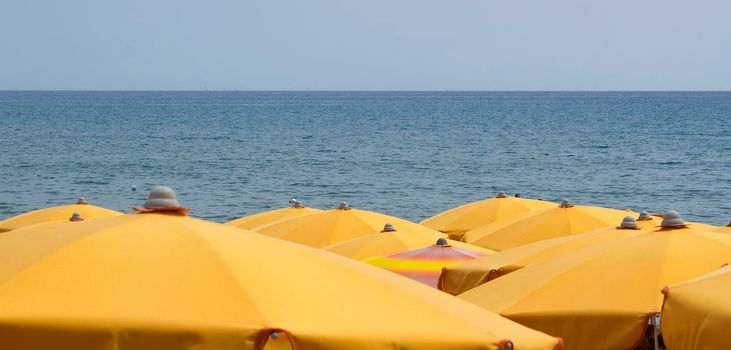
(90,182)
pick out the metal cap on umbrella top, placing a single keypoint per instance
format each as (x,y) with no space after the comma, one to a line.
(82,201)
(343,206)
(628,223)
(76,217)
(565,203)
(442,242)
(388,228)
(162,199)
(296,204)
(672,220)
(644,216)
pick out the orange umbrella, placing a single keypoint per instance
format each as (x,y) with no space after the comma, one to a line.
(697,314)
(601,297)
(724,229)
(165,281)
(561,220)
(332,226)
(457,221)
(252,222)
(389,241)
(460,278)
(82,208)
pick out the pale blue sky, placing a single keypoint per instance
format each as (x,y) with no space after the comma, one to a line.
(366,45)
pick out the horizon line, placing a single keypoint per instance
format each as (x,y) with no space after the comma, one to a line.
(345,90)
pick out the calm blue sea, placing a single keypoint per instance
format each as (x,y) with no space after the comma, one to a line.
(410,154)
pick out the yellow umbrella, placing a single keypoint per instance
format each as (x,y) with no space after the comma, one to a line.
(724,229)
(463,277)
(697,314)
(251,222)
(601,297)
(61,213)
(561,220)
(457,221)
(336,225)
(390,240)
(163,280)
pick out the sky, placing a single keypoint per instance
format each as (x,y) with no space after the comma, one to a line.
(365,45)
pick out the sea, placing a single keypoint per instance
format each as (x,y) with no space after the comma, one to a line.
(229,154)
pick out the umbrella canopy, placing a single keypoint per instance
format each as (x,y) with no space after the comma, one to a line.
(460,278)
(697,314)
(163,280)
(54,214)
(601,297)
(252,222)
(425,264)
(336,225)
(389,241)
(724,229)
(561,220)
(457,221)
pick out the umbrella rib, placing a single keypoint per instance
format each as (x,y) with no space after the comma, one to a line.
(215,254)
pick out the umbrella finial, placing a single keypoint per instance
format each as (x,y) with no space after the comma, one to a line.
(501,194)
(517,195)
(81,200)
(672,220)
(296,204)
(344,206)
(162,199)
(505,345)
(644,216)
(729,224)
(628,223)
(76,217)
(388,228)
(442,242)
(566,204)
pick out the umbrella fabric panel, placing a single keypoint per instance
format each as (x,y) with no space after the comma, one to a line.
(167,281)
(697,314)
(55,214)
(619,279)
(472,215)
(254,221)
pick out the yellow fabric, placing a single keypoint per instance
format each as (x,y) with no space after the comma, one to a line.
(252,222)
(723,229)
(160,281)
(384,243)
(336,225)
(55,214)
(697,314)
(410,265)
(544,224)
(387,243)
(460,278)
(600,297)
(473,215)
